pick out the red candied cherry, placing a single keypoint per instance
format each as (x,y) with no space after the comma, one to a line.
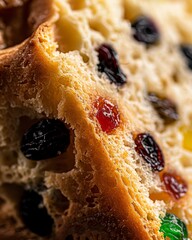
(174,185)
(107,114)
(150,151)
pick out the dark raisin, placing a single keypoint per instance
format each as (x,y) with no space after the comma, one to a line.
(175,185)
(108,64)
(34,214)
(47,138)
(145,30)
(186,49)
(165,108)
(149,150)
(107,114)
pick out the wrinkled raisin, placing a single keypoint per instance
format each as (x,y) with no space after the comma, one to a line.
(186,50)
(165,108)
(107,114)
(47,138)
(108,64)
(149,150)
(34,214)
(175,185)
(145,30)
(173,228)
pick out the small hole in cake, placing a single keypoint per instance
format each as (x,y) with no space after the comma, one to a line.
(99,27)
(136,55)
(159,196)
(58,202)
(95,189)
(8,158)
(85,58)
(77,5)
(34,214)
(8,177)
(91,201)
(67,35)
(175,78)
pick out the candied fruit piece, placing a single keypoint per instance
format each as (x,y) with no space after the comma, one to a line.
(107,115)
(145,30)
(47,138)
(187,138)
(186,50)
(174,185)
(34,214)
(149,150)
(165,108)
(173,228)
(109,64)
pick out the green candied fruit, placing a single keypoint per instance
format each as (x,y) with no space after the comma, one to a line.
(173,228)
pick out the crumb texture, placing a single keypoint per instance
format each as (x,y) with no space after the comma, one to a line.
(116,76)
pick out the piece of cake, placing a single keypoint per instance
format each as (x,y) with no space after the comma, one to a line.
(95,119)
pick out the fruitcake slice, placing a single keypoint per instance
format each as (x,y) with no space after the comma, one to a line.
(95,106)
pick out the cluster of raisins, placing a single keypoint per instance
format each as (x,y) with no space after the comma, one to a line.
(171,226)
(45,139)
(150,151)
(146,32)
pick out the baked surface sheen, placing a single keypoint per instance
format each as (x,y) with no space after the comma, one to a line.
(99,188)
